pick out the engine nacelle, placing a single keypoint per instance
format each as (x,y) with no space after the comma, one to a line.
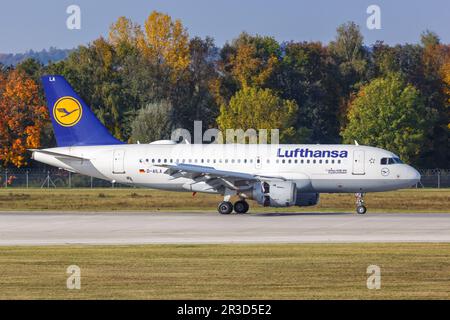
(275,193)
(306,199)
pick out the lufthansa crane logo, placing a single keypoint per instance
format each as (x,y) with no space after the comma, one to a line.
(67,111)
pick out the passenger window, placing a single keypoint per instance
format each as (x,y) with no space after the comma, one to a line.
(339,161)
(314,161)
(307,161)
(283,161)
(320,161)
(295,161)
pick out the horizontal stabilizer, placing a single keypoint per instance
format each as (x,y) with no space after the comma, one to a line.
(58,155)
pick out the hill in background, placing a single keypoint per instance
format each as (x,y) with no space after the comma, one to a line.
(45,56)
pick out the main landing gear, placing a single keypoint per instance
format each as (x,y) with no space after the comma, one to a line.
(360,208)
(226,207)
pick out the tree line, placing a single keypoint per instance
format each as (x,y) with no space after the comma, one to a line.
(145,81)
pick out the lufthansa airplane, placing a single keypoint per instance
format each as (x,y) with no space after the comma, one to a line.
(274,175)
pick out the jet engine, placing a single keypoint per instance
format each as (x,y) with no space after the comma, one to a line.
(306,199)
(275,193)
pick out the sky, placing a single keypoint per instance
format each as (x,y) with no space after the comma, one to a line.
(29,24)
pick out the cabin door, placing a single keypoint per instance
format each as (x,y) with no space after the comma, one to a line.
(358,162)
(119,161)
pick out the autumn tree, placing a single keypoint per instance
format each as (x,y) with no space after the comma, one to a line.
(255,108)
(433,89)
(390,114)
(166,42)
(445,73)
(22,117)
(248,61)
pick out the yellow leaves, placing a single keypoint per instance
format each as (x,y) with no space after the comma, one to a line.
(21,117)
(124,32)
(104,50)
(255,108)
(249,69)
(165,41)
(445,74)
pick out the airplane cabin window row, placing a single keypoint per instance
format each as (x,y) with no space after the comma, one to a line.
(284,161)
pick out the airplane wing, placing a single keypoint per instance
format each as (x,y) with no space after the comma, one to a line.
(229,179)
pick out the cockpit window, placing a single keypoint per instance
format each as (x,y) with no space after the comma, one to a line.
(390,160)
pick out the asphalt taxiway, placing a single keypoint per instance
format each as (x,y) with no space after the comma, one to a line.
(45,228)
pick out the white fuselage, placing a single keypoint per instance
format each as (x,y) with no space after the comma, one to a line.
(314,168)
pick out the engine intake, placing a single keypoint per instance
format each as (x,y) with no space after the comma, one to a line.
(275,193)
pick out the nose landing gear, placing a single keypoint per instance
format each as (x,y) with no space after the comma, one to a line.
(360,208)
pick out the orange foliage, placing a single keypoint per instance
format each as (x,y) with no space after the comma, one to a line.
(22,117)
(445,74)
(250,69)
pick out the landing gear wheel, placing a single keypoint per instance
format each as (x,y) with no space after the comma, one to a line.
(225,207)
(361,209)
(241,206)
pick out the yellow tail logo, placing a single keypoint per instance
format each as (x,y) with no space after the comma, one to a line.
(67,111)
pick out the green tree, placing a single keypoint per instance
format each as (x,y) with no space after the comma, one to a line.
(308,75)
(390,114)
(350,54)
(153,122)
(255,108)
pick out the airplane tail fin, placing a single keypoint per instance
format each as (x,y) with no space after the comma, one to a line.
(73,121)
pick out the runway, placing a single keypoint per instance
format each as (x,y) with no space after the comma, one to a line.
(43,228)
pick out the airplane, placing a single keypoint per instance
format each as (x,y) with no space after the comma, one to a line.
(274,175)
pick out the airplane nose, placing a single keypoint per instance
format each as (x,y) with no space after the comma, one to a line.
(413,175)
